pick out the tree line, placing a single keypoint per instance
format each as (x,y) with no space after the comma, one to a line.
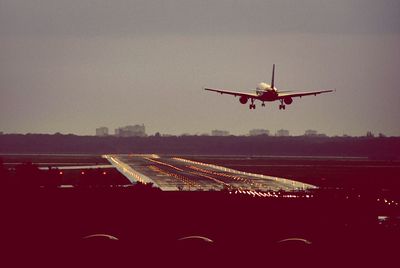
(373,147)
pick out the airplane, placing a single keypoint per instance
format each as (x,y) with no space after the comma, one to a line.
(265,92)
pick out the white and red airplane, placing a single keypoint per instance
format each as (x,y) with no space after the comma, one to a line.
(265,92)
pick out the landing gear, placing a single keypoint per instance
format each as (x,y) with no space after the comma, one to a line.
(252,105)
(282,106)
(263,104)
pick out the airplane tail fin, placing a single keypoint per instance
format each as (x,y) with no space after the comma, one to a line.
(273,76)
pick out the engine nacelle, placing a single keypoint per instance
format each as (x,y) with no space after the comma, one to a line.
(243,99)
(288,100)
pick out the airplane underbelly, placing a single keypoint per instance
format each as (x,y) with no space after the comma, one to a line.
(268,97)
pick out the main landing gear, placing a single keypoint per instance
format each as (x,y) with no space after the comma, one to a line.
(282,106)
(263,104)
(252,105)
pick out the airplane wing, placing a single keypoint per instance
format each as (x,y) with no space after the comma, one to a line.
(282,95)
(235,93)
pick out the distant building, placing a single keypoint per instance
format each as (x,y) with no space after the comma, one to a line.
(282,133)
(1,132)
(217,132)
(258,132)
(131,131)
(102,131)
(311,132)
(370,134)
(167,135)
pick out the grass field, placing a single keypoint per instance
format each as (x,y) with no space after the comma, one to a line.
(53,159)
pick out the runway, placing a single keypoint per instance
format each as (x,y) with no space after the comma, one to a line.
(171,173)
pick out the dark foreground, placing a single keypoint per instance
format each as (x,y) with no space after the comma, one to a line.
(313,229)
(352,220)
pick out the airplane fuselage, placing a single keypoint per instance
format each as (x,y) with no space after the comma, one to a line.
(268,95)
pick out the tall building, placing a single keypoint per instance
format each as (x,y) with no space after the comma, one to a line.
(370,134)
(131,131)
(282,133)
(217,132)
(102,131)
(258,132)
(310,132)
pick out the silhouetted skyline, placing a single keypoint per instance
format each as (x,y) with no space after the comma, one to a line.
(72,66)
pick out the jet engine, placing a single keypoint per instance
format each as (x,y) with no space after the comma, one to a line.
(243,99)
(288,100)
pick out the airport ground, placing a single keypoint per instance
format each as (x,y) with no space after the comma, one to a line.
(332,172)
(335,227)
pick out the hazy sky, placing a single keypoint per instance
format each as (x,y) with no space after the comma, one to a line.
(73,65)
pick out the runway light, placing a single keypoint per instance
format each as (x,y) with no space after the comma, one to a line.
(83,172)
(104,173)
(60,172)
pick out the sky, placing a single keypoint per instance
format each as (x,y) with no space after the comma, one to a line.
(71,66)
